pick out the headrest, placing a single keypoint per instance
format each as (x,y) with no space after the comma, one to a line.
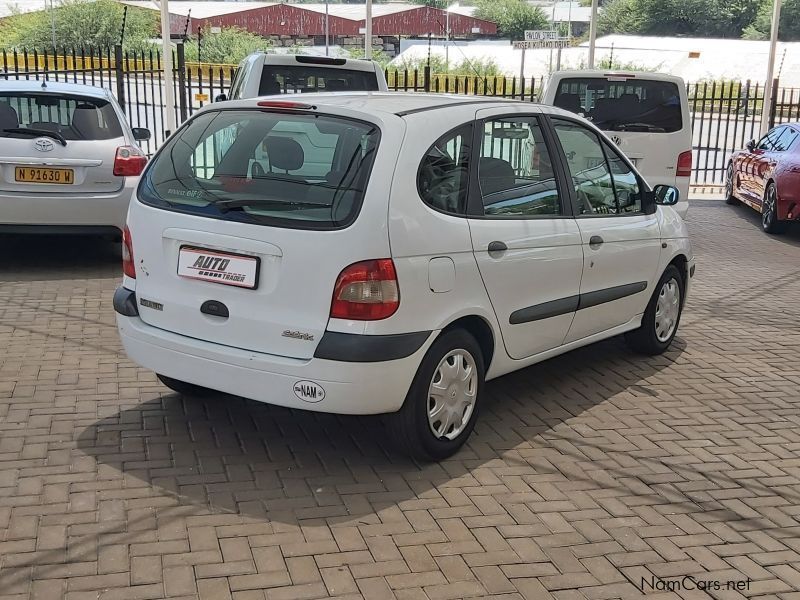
(284,153)
(85,122)
(9,119)
(495,175)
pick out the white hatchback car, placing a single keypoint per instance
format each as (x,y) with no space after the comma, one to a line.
(69,161)
(390,253)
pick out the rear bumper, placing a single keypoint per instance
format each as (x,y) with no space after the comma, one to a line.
(63,211)
(349,387)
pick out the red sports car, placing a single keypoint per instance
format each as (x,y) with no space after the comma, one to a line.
(766,177)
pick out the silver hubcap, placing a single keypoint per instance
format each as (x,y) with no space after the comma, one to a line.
(668,309)
(452,394)
(769,208)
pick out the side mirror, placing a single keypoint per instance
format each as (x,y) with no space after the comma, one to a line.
(220,98)
(140,134)
(751,145)
(666,195)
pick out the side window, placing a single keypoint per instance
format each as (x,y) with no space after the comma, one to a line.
(604,184)
(767,143)
(785,140)
(515,172)
(626,185)
(444,172)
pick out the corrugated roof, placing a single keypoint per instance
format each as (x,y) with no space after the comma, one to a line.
(201,10)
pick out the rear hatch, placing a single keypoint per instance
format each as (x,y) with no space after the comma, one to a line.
(646,117)
(58,144)
(245,219)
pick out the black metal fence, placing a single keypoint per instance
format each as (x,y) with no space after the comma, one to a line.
(724,115)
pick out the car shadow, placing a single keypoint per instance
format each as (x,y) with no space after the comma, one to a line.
(41,257)
(224,454)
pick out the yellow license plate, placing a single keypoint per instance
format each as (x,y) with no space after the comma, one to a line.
(40,175)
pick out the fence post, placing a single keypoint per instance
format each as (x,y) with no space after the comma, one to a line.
(427,74)
(773,102)
(120,76)
(182,91)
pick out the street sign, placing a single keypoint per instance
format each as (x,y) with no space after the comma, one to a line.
(529,45)
(532,35)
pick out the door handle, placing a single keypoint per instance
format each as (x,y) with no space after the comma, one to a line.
(497,247)
(595,241)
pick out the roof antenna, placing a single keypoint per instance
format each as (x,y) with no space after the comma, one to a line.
(44,84)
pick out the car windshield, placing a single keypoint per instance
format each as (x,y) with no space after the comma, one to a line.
(306,171)
(23,114)
(632,104)
(297,79)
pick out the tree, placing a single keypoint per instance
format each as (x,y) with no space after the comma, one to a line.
(229,46)
(790,22)
(80,24)
(513,17)
(706,18)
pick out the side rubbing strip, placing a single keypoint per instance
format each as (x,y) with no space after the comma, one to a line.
(545,310)
(610,294)
(564,306)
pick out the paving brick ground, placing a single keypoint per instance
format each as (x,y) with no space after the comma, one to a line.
(585,476)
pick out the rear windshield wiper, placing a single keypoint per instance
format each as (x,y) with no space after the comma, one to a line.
(226,205)
(38,133)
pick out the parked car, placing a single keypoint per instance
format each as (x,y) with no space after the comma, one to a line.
(645,114)
(262,74)
(368,270)
(766,177)
(69,161)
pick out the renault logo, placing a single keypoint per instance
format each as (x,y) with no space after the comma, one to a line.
(44,145)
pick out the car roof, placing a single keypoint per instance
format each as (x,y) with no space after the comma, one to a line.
(628,74)
(394,103)
(54,87)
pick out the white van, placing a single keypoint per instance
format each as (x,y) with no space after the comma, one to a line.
(262,74)
(645,114)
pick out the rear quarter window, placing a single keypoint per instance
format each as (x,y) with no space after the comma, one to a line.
(295,170)
(643,105)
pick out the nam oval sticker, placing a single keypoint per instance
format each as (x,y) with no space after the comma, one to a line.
(308,391)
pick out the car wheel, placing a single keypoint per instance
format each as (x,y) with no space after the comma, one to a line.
(729,197)
(185,389)
(769,212)
(661,317)
(442,403)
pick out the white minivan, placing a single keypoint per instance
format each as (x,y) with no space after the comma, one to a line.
(645,114)
(390,254)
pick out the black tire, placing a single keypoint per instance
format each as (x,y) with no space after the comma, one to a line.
(729,197)
(410,425)
(769,212)
(185,389)
(645,339)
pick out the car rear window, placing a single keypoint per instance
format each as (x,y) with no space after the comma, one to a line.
(629,105)
(73,117)
(273,168)
(297,79)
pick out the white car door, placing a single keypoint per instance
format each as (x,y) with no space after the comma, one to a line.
(525,240)
(621,243)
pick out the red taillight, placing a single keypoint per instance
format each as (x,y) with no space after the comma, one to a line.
(127,254)
(129,161)
(366,291)
(684,164)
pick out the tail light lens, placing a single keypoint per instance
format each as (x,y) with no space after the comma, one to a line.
(129,161)
(127,254)
(366,291)
(684,164)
